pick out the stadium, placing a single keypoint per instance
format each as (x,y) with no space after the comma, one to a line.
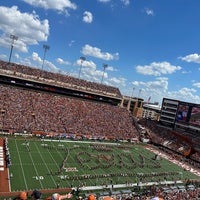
(63,134)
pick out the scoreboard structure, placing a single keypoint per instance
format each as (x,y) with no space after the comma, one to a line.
(183,118)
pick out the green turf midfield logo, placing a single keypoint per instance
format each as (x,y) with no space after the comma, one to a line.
(101,157)
(105,158)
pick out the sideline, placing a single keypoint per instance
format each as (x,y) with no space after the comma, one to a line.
(21,166)
(102,187)
(77,141)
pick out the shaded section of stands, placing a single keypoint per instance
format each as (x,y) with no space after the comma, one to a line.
(170,142)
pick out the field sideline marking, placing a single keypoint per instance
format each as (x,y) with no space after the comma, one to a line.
(9,185)
(44,163)
(75,141)
(21,165)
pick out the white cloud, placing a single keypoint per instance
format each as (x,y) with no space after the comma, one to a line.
(104,1)
(110,68)
(157,68)
(157,89)
(90,72)
(96,52)
(161,83)
(87,17)
(197,84)
(184,94)
(90,64)
(71,43)
(47,65)
(117,81)
(62,62)
(3,56)
(135,83)
(191,58)
(149,11)
(186,72)
(36,58)
(60,5)
(125,2)
(95,75)
(16,55)
(27,27)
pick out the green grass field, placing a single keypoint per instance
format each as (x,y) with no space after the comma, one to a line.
(48,164)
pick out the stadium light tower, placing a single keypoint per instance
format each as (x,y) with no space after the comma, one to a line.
(140,90)
(45,47)
(129,102)
(82,60)
(104,69)
(132,93)
(13,39)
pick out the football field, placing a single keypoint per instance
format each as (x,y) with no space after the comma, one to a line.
(48,164)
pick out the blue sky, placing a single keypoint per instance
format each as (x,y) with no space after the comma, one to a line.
(151,47)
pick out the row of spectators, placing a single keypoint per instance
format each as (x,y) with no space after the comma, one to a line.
(56,79)
(7,153)
(166,138)
(149,194)
(33,110)
(176,195)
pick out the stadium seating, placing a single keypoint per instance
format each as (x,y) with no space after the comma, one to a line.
(28,110)
(57,79)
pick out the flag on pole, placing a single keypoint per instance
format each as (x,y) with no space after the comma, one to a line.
(149,99)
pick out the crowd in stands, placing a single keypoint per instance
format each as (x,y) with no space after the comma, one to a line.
(176,195)
(58,79)
(33,110)
(196,156)
(152,194)
(168,141)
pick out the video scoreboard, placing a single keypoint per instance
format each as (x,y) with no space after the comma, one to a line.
(175,113)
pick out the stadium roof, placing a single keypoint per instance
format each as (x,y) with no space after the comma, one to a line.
(152,106)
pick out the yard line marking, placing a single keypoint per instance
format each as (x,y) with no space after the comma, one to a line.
(53,159)
(58,152)
(21,165)
(45,163)
(35,169)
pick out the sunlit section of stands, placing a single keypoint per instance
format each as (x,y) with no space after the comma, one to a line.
(61,80)
(28,110)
